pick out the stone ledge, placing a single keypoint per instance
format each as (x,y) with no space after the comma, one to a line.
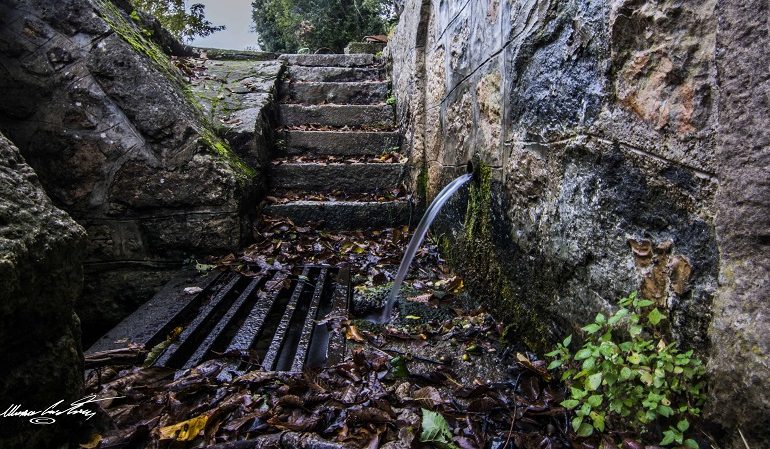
(345,215)
(329,177)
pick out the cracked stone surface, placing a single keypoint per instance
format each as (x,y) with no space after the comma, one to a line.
(611,169)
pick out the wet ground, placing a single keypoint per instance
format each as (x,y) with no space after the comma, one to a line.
(437,375)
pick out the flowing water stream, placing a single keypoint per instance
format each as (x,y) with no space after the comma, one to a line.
(417,238)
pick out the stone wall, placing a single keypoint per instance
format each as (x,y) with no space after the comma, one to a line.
(41,252)
(120,142)
(615,165)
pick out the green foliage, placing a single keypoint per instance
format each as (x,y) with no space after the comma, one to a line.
(391,101)
(435,430)
(622,378)
(289,25)
(181,23)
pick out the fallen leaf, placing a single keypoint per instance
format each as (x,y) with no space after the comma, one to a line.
(352,333)
(185,430)
(93,442)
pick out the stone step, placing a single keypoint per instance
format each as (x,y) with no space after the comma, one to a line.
(335,60)
(352,178)
(378,116)
(335,74)
(351,143)
(347,215)
(366,92)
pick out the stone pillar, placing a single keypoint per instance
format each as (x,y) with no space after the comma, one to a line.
(740,359)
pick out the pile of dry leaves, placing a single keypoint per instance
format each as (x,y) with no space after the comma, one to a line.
(378,398)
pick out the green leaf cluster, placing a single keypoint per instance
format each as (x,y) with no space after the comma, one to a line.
(290,25)
(627,376)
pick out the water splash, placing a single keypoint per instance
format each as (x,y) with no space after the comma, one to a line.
(418,237)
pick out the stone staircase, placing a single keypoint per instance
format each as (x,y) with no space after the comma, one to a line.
(334,123)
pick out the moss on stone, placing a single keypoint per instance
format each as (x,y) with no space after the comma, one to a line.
(486,273)
(132,34)
(243,172)
(479,209)
(422,184)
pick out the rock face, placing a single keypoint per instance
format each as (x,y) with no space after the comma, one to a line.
(121,143)
(609,169)
(41,251)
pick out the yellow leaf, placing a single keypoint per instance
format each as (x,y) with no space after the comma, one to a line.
(93,442)
(185,430)
(352,333)
(175,333)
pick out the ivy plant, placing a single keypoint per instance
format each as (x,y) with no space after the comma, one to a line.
(626,376)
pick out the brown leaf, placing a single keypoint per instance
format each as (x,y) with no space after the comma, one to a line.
(429,397)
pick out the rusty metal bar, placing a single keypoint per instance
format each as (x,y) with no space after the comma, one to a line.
(340,301)
(252,326)
(203,315)
(309,325)
(172,317)
(223,324)
(280,333)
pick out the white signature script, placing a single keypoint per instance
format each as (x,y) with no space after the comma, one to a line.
(46,416)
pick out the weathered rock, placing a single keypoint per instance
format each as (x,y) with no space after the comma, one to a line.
(334,74)
(344,215)
(339,142)
(118,141)
(234,55)
(607,164)
(359,177)
(740,362)
(356,48)
(238,96)
(337,115)
(333,60)
(41,252)
(339,93)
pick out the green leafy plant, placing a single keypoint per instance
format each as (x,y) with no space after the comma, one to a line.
(391,100)
(627,376)
(288,25)
(175,17)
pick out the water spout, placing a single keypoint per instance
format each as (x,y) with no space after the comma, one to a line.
(419,236)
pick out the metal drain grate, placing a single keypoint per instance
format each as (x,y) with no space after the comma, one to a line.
(269,320)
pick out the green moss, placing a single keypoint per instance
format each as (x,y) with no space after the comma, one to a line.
(130,33)
(479,209)
(487,271)
(243,172)
(422,184)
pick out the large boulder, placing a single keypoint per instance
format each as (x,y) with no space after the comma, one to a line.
(41,253)
(624,148)
(120,142)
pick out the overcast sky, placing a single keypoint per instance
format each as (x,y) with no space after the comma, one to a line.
(236,16)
